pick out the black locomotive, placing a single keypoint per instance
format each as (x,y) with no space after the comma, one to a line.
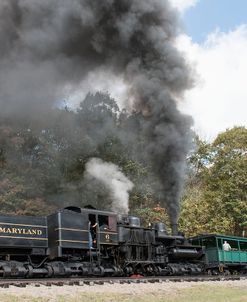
(87,242)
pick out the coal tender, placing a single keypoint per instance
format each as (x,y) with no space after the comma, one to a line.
(87,242)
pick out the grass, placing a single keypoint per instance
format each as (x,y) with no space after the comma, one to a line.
(22,298)
(196,294)
(192,294)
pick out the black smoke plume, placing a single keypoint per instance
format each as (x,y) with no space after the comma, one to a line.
(49,47)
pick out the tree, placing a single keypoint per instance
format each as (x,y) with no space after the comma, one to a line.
(215,198)
(227,177)
(151,215)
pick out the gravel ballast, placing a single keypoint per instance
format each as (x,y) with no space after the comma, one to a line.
(130,289)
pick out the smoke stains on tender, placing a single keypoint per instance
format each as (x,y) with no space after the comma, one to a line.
(49,45)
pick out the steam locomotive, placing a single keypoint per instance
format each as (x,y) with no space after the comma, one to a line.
(87,242)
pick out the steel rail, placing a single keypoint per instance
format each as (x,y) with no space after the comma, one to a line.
(6,283)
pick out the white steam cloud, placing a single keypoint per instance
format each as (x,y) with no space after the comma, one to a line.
(115,181)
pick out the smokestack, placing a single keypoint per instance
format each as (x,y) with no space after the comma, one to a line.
(174,229)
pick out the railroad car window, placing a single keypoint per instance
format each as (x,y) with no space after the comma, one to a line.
(220,243)
(233,243)
(209,242)
(243,246)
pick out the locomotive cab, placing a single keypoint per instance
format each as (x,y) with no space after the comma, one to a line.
(70,230)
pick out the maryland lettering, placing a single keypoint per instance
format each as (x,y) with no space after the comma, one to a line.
(20,231)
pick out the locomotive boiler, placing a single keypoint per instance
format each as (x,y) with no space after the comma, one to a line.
(87,242)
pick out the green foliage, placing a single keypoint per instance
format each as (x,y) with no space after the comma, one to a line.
(227,177)
(14,198)
(216,193)
(150,215)
(199,159)
(198,215)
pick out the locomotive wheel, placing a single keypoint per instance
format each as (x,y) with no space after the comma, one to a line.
(149,270)
(29,271)
(50,272)
(128,270)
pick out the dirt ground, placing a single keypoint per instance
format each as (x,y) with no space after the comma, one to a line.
(90,293)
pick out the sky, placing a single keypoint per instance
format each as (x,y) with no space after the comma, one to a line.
(214,43)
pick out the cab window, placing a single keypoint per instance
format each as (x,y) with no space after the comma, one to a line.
(107,223)
(103,222)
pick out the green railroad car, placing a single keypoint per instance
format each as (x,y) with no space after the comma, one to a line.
(224,254)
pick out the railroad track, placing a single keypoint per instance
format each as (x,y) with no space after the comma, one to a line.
(6,283)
